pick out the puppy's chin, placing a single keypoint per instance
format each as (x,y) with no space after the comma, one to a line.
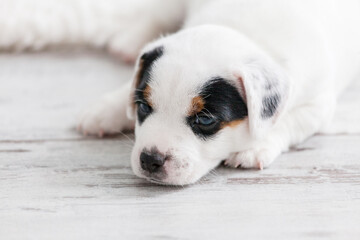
(175,172)
(169,180)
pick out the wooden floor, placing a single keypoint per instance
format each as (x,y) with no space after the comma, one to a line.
(56,184)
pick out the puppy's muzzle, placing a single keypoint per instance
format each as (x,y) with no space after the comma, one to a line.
(152,162)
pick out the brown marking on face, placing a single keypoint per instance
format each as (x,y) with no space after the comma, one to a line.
(147,95)
(137,78)
(138,73)
(197,105)
(232,124)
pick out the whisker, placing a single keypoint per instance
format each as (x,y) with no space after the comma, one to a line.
(127,137)
(131,140)
(207,96)
(139,101)
(208,113)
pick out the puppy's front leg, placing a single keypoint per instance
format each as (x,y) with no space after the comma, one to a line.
(293,128)
(108,116)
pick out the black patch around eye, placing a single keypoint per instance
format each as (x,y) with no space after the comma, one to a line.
(270,105)
(222,102)
(147,61)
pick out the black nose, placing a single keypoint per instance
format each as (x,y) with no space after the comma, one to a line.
(151,161)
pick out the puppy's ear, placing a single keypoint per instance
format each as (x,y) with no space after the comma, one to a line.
(142,77)
(265,88)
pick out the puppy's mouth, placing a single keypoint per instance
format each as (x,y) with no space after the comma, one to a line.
(173,172)
(156,181)
(163,178)
(166,180)
(158,177)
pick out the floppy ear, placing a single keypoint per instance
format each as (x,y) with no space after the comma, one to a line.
(142,76)
(265,88)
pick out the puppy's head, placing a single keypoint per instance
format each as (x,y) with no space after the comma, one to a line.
(197,97)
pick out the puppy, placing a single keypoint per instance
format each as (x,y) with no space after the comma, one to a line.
(241,81)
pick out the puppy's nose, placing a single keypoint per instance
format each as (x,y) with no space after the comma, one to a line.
(151,161)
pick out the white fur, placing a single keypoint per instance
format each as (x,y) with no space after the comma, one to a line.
(308,49)
(121,26)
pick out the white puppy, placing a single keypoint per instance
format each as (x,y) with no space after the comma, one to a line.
(242,81)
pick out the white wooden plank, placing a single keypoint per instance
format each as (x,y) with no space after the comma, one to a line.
(86,188)
(41,95)
(55,184)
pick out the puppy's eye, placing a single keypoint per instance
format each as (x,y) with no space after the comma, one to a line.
(205,123)
(144,108)
(204,120)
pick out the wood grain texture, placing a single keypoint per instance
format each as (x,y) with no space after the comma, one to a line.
(56,184)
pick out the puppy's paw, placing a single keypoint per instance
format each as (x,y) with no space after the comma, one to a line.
(258,158)
(105,118)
